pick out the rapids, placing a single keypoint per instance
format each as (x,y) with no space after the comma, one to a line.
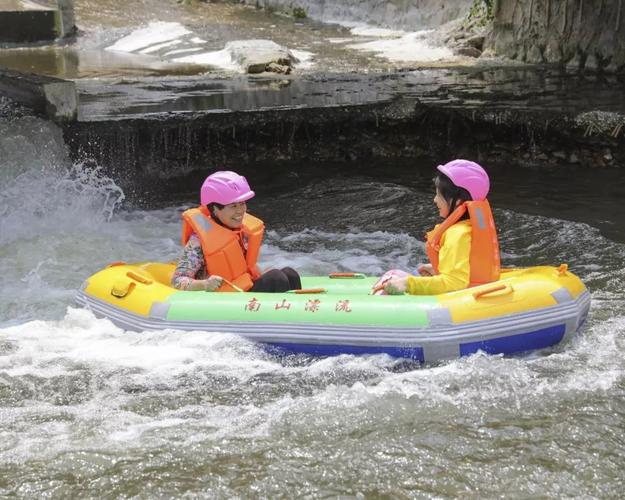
(88,410)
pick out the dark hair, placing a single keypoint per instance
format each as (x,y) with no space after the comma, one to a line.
(450,192)
(212,206)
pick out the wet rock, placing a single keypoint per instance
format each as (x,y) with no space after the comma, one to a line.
(544,31)
(573,158)
(468,51)
(534,55)
(278,68)
(476,41)
(255,56)
(561,155)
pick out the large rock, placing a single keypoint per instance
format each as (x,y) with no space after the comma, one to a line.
(257,56)
(583,34)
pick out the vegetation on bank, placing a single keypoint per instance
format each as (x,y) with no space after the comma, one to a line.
(292,11)
(481,13)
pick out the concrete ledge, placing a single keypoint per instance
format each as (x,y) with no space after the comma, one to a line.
(51,97)
(28,26)
(25,21)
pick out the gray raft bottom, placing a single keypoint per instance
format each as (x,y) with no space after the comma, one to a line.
(511,334)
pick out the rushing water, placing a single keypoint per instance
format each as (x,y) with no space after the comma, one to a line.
(88,410)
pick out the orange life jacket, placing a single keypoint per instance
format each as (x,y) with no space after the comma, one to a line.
(229,253)
(484,258)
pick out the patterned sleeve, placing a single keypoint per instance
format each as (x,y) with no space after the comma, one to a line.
(189,265)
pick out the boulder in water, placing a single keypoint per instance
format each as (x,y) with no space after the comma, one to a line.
(257,56)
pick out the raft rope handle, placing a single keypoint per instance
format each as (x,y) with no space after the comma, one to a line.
(346,275)
(137,277)
(562,269)
(497,288)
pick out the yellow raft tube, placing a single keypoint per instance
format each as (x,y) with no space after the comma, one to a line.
(527,309)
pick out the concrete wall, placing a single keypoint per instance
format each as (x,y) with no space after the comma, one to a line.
(27,21)
(47,96)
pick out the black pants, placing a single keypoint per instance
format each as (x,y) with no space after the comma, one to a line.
(277,280)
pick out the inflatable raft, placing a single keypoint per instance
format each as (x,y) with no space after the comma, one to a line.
(527,309)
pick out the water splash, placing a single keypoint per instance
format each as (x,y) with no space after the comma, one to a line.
(43,190)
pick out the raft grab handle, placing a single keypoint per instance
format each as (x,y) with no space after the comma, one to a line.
(496,288)
(137,277)
(346,275)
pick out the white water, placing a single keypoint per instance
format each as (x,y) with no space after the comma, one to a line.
(175,43)
(86,407)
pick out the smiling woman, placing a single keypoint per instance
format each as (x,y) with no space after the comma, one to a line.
(222,243)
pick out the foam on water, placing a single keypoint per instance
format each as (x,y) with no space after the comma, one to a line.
(408,47)
(305,59)
(395,45)
(217,58)
(227,388)
(158,38)
(155,33)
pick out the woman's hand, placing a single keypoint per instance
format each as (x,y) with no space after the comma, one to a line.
(396,286)
(213,283)
(426,270)
(210,284)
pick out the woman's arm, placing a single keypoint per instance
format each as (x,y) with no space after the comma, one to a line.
(454,269)
(453,266)
(189,265)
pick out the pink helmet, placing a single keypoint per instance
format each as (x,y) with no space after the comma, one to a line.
(468,175)
(225,187)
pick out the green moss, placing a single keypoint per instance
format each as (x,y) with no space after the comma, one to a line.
(481,12)
(299,13)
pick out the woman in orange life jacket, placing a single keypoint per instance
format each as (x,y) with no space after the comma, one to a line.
(463,250)
(222,242)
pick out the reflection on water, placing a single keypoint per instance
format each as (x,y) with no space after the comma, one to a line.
(70,63)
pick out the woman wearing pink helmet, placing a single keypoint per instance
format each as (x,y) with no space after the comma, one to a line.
(222,242)
(463,249)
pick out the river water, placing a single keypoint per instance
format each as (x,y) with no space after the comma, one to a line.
(88,410)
